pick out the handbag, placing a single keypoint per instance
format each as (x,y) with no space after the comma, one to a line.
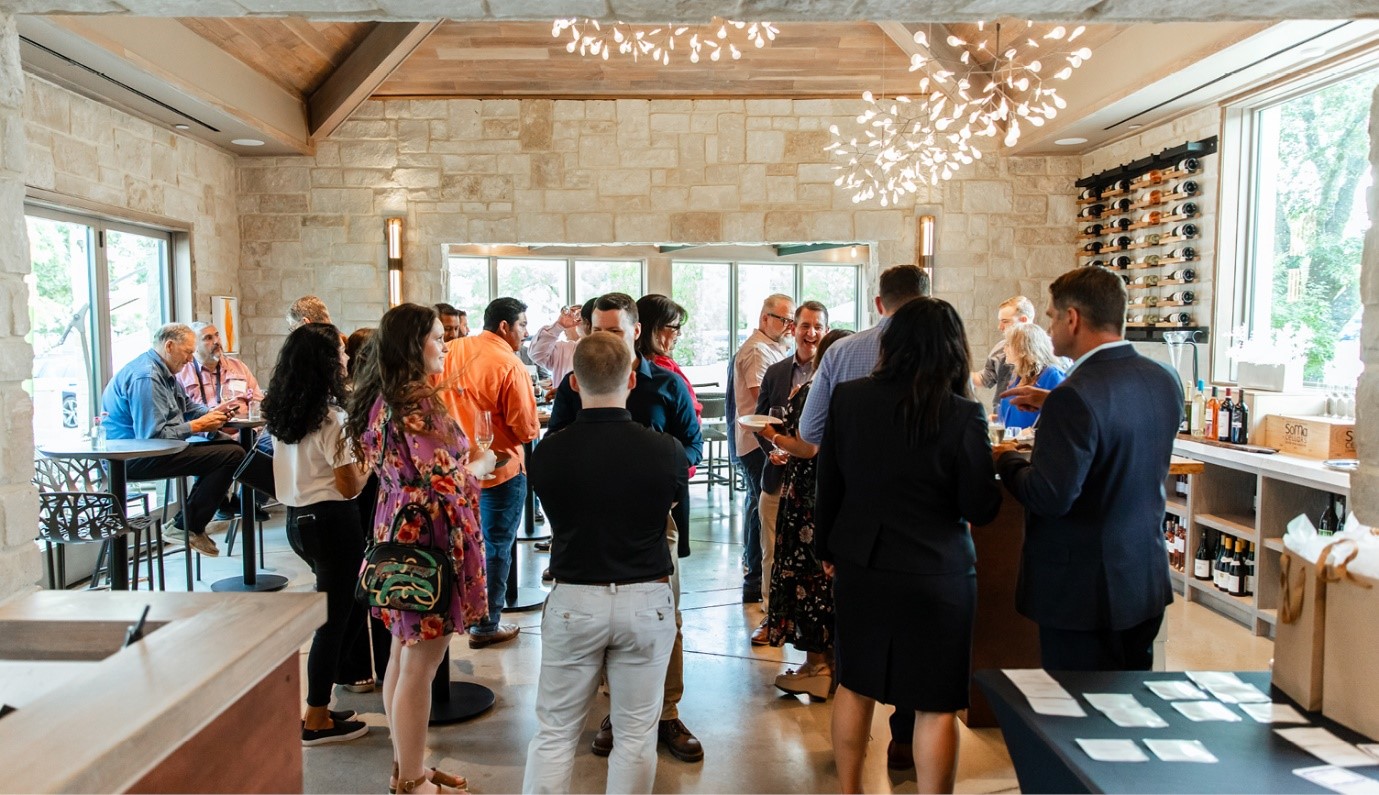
(406,577)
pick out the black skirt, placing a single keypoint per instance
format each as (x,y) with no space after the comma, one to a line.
(905,639)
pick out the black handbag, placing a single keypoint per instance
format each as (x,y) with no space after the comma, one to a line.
(407,577)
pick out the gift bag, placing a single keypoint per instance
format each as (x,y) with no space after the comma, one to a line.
(1350,672)
(1299,636)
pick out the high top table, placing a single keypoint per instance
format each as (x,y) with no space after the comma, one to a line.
(252,580)
(116,452)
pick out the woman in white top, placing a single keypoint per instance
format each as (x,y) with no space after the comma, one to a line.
(318,478)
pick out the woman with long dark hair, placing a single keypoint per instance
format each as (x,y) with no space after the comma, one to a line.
(317,479)
(904,466)
(662,321)
(421,457)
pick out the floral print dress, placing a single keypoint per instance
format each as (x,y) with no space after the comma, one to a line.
(419,459)
(801,611)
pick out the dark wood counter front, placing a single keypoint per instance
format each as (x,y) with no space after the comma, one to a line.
(1002,638)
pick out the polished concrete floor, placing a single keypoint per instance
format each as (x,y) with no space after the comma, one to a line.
(756,739)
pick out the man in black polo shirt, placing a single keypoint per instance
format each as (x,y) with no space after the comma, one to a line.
(608,485)
(660,400)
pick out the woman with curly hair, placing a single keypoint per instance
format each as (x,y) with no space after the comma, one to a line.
(421,457)
(318,479)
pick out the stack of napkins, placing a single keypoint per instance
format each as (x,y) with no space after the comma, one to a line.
(1228,688)
(1125,710)
(1044,694)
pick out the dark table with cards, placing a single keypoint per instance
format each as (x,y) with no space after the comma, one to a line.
(1211,725)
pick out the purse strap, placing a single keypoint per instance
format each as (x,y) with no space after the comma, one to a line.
(406,511)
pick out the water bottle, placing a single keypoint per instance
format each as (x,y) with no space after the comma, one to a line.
(97,433)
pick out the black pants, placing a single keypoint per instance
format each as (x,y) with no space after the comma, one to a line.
(326,536)
(1099,650)
(752,465)
(213,464)
(358,661)
(681,514)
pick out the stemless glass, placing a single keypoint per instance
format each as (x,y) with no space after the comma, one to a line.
(483,435)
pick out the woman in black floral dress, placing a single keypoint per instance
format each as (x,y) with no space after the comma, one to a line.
(801,604)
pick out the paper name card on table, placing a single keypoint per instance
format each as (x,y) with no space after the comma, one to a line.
(1109,701)
(1061,707)
(1338,779)
(1241,694)
(1181,751)
(1136,718)
(1175,691)
(1326,746)
(1036,683)
(1228,687)
(1273,713)
(1206,710)
(1113,750)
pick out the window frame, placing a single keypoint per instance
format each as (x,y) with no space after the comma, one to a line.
(570,264)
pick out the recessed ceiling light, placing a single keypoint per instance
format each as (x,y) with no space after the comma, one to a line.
(181,127)
(1312,51)
(247,142)
(1070,141)
(1136,126)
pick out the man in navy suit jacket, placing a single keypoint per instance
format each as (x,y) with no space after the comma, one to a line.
(1094,572)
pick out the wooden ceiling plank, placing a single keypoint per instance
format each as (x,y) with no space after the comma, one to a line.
(382,51)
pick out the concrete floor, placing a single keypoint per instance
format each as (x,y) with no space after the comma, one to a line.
(756,739)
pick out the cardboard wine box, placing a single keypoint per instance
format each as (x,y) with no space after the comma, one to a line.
(1311,437)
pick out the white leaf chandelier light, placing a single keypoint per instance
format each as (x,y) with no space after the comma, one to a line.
(657,42)
(989,91)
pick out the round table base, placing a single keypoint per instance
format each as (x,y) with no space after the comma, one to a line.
(465,700)
(527,600)
(263,582)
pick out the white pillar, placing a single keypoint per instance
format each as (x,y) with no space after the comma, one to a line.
(1364,485)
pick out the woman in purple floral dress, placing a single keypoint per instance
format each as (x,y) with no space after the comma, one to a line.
(421,456)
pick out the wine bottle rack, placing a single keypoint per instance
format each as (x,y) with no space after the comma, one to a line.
(1157,194)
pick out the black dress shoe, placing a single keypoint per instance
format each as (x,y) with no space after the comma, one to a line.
(751,593)
(900,756)
(678,740)
(603,741)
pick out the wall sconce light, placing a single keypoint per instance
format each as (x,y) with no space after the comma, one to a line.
(392,233)
(924,242)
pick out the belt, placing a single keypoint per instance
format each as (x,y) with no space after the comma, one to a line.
(615,584)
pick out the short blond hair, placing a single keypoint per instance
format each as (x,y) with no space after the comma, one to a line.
(1031,350)
(602,363)
(1021,304)
(308,309)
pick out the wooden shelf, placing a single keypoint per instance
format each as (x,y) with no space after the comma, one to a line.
(1268,615)
(1176,576)
(1164,177)
(1244,604)
(1235,525)
(1275,544)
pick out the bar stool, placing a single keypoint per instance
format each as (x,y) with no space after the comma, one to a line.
(76,508)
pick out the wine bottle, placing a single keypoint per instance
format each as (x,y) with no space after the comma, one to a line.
(1182,253)
(1209,418)
(1238,579)
(1152,260)
(1182,297)
(1097,263)
(1187,187)
(1201,564)
(1183,275)
(1185,210)
(1188,165)
(1185,425)
(1117,225)
(1124,241)
(1152,197)
(1154,177)
(1091,211)
(1121,262)
(1092,247)
(1088,193)
(1092,231)
(1152,217)
(1148,280)
(1330,522)
(1182,546)
(1218,567)
(1135,319)
(1180,318)
(1250,571)
(1199,405)
(1122,205)
(1151,300)
(1223,418)
(1240,421)
(1184,230)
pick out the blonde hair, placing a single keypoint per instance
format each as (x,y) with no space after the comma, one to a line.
(602,363)
(1031,350)
(1021,305)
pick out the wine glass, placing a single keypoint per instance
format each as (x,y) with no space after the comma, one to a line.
(777,412)
(483,435)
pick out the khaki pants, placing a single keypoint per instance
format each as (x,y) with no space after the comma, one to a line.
(675,669)
(770,507)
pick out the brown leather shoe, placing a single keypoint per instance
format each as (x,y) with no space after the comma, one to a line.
(504,633)
(900,756)
(760,635)
(678,740)
(603,741)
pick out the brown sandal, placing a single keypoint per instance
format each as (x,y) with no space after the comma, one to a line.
(438,777)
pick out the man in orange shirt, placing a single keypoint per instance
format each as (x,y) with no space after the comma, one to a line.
(482,373)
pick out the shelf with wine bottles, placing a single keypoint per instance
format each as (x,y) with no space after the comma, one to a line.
(1240,608)
(1159,283)
(1176,505)
(1236,525)
(1166,175)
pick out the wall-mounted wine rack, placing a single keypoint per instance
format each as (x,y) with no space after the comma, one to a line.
(1146,220)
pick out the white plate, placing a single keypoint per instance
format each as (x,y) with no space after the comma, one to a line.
(757,422)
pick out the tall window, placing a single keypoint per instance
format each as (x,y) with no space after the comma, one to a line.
(97,292)
(544,284)
(1308,173)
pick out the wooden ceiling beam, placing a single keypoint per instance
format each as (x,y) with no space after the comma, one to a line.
(382,51)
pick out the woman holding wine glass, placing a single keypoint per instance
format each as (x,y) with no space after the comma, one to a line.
(483,435)
(421,457)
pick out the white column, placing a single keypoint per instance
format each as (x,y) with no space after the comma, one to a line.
(1364,485)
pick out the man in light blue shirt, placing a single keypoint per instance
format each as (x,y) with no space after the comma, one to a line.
(144,401)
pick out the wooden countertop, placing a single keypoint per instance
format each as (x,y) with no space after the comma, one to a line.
(115,719)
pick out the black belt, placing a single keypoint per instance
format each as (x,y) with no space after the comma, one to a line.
(664,579)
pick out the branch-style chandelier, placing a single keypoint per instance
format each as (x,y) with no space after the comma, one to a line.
(988,90)
(657,42)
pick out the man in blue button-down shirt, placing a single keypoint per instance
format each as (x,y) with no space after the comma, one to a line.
(144,401)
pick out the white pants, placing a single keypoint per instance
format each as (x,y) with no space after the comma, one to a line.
(627,629)
(768,505)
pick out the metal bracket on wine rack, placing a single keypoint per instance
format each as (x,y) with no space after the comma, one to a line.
(1163,160)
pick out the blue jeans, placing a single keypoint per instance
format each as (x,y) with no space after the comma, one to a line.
(500,511)
(752,465)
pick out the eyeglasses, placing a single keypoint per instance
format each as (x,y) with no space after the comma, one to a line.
(675,327)
(787,321)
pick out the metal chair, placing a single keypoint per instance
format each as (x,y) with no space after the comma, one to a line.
(714,428)
(75,507)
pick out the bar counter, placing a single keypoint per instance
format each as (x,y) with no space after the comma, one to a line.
(208,701)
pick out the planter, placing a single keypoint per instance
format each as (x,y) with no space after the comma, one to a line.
(1269,377)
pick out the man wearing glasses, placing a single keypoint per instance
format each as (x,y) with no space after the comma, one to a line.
(768,344)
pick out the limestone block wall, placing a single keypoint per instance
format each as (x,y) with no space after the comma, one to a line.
(81,148)
(1364,485)
(19,567)
(630,171)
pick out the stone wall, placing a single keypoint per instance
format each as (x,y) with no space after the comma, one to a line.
(629,171)
(19,567)
(1364,485)
(81,148)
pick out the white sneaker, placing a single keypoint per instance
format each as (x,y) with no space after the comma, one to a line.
(202,543)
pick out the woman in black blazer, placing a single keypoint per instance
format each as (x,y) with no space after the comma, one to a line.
(904,466)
